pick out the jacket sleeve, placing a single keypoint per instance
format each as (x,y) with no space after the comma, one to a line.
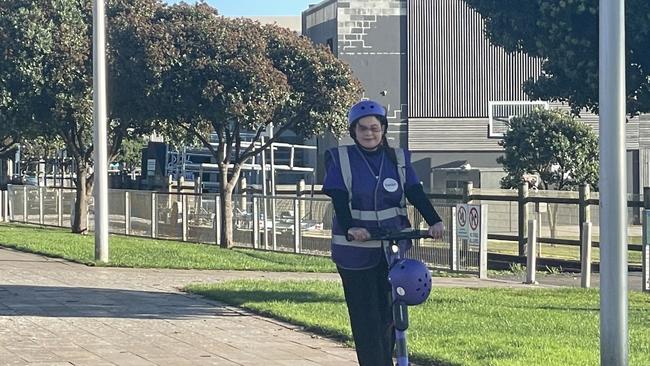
(415,195)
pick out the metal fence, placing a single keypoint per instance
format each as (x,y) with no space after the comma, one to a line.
(280,223)
(303,224)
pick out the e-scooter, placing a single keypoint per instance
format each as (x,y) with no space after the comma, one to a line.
(410,280)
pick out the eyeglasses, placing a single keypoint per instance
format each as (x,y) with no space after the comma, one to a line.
(373,129)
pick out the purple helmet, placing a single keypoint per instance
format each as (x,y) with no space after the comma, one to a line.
(411,280)
(365,108)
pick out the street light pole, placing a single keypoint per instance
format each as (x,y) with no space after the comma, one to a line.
(100,135)
(613,200)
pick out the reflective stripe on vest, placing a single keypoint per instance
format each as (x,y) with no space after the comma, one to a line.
(386,214)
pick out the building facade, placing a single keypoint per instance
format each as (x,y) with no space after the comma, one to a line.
(431,65)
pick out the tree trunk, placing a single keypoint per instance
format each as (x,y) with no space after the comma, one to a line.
(225,194)
(84,190)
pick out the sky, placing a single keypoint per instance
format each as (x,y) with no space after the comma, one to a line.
(257,7)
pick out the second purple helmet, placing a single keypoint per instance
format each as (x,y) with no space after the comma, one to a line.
(365,108)
(411,281)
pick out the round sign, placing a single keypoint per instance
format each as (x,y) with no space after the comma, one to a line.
(462,216)
(390,185)
(473,218)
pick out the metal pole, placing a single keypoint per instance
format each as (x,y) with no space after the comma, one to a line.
(59,206)
(264,195)
(154,215)
(217,217)
(256,224)
(184,217)
(483,243)
(453,241)
(613,202)
(127,213)
(2,206)
(25,216)
(41,215)
(100,136)
(273,200)
(297,235)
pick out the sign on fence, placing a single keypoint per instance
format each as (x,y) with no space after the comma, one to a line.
(468,228)
(471,235)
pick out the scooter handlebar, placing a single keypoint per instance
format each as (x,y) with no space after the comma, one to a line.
(383,234)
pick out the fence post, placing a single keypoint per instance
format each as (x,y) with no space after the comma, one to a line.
(217,218)
(12,205)
(256,224)
(531,260)
(483,243)
(7,205)
(243,186)
(154,215)
(585,259)
(127,213)
(296,225)
(274,235)
(2,206)
(184,216)
(522,217)
(453,242)
(583,208)
(645,254)
(59,206)
(300,189)
(3,202)
(41,219)
(25,218)
(467,191)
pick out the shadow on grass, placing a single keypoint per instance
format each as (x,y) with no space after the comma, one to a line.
(277,258)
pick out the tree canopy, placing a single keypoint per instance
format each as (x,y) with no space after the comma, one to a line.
(46,76)
(564,34)
(562,150)
(236,77)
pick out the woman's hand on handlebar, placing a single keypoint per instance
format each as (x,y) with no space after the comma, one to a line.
(437,230)
(358,234)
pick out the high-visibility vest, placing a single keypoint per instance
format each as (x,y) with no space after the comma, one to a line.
(375,201)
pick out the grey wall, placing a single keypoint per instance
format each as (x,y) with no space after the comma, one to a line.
(424,161)
(372,39)
(453,69)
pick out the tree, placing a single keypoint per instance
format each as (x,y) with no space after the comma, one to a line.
(234,76)
(46,69)
(564,34)
(552,144)
(130,153)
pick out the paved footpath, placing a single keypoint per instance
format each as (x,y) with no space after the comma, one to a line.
(54,312)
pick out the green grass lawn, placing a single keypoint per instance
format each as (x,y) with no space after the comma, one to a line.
(459,326)
(148,253)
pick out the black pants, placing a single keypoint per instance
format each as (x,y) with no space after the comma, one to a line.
(367,294)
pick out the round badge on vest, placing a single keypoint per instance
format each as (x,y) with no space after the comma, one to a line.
(390,185)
